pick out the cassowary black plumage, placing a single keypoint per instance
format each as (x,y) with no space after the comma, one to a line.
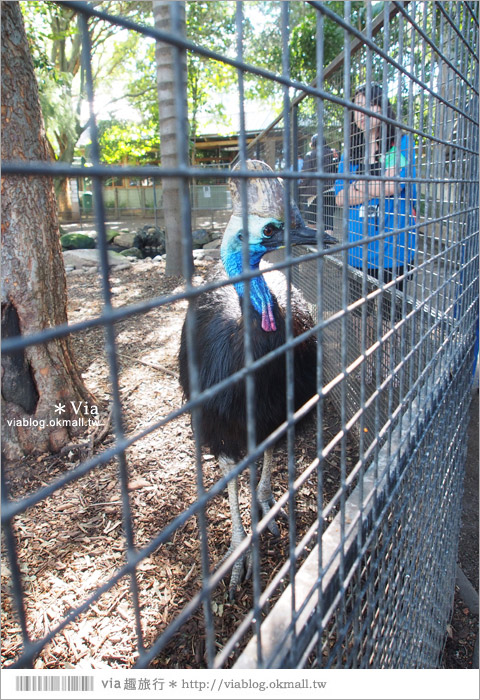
(219,346)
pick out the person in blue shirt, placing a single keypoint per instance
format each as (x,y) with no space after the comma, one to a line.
(374,201)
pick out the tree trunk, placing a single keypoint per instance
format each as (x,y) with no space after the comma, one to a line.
(34,286)
(64,200)
(165,59)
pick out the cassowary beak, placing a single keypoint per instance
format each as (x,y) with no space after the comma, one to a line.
(303,235)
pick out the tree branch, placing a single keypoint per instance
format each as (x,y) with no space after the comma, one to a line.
(133,94)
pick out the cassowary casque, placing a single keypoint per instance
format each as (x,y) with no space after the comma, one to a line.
(219,346)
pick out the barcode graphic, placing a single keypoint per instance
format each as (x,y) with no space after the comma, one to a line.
(53,683)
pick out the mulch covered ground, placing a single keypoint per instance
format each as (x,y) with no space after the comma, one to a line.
(462,634)
(73,542)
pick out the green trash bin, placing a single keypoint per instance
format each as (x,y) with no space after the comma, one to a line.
(87,201)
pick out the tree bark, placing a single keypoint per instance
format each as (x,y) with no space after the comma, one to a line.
(165,56)
(34,285)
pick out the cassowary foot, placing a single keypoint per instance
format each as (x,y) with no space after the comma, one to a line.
(265,505)
(241,570)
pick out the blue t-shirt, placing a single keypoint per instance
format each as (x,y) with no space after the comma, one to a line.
(399,214)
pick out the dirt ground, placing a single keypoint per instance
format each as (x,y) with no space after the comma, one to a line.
(460,651)
(73,542)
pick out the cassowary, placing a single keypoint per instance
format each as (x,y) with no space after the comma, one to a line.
(219,346)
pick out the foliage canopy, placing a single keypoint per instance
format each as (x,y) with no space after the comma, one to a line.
(124,68)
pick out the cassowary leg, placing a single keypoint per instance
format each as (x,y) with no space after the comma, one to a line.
(244,563)
(264,491)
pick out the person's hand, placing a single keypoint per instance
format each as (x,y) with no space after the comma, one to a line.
(360,187)
(373,146)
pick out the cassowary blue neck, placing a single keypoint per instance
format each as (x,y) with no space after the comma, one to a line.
(260,295)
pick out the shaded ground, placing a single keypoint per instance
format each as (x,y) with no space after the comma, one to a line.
(73,543)
(468,545)
(460,649)
(462,635)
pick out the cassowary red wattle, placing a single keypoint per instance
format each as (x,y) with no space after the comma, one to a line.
(219,342)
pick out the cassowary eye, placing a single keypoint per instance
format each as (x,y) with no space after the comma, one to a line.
(269,230)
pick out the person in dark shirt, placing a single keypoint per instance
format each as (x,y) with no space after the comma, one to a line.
(308,187)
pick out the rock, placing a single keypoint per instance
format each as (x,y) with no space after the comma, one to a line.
(125,240)
(213,244)
(115,259)
(203,254)
(150,240)
(112,234)
(79,258)
(158,258)
(76,241)
(132,253)
(200,237)
(89,258)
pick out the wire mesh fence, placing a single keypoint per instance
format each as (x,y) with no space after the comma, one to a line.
(366,581)
(141,200)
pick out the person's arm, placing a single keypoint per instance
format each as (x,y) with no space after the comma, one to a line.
(340,184)
(376,188)
(356,194)
(373,189)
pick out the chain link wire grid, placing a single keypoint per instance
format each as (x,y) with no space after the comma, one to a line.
(372,586)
